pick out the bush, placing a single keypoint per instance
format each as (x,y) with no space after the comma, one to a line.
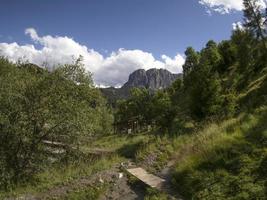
(37,105)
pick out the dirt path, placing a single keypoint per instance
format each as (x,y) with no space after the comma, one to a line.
(166,173)
(118,187)
(116,179)
(122,190)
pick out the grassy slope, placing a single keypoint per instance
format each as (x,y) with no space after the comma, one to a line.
(223,161)
(116,142)
(229,163)
(62,174)
(226,160)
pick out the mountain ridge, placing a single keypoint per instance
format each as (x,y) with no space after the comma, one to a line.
(152,79)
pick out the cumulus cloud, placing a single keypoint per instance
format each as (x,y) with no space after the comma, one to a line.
(237,25)
(226,6)
(32,32)
(112,70)
(171,63)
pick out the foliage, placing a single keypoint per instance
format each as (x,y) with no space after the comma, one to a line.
(255,21)
(146,108)
(233,167)
(137,106)
(89,193)
(39,105)
(153,194)
(213,78)
(58,175)
(191,62)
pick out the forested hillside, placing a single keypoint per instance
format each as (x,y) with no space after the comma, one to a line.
(215,116)
(219,81)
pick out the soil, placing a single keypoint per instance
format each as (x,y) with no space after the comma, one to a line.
(122,190)
(117,181)
(118,187)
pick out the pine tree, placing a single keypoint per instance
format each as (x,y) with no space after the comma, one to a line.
(254,19)
(205,89)
(192,59)
(191,63)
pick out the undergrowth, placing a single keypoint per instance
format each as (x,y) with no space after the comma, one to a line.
(228,162)
(60,175)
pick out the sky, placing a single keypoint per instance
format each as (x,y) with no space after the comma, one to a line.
(115,37)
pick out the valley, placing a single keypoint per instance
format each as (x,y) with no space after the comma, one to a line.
(163,135)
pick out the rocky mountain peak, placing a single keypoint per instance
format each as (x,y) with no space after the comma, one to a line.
(152,79)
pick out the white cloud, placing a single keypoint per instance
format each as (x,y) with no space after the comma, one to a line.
(171,63)
(33,34)
(111,70)
(237,25)
(226,6)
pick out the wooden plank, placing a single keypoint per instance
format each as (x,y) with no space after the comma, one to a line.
(53,143)
(149,179)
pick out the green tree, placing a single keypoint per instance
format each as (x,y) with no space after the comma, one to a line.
(254,19)
(76,72)
(191,63)
(210,56)
(175,91)
(244,43)
(35,105)
(205,90)
(192,60)
(137,107)
(163,112)
(228,51)
(146,108)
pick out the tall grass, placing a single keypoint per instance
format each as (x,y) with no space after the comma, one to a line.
(163,149)
(115,142)
(225,161)
(61,175)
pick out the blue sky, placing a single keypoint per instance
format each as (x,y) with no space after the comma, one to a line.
(113,27)
(157,26)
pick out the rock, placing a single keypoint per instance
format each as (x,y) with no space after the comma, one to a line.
(120,175)
(101,180)
(152,79)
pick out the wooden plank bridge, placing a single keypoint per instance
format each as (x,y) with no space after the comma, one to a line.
(147,178)
(153,181)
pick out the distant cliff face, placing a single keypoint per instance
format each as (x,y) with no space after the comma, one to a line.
(152,79)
